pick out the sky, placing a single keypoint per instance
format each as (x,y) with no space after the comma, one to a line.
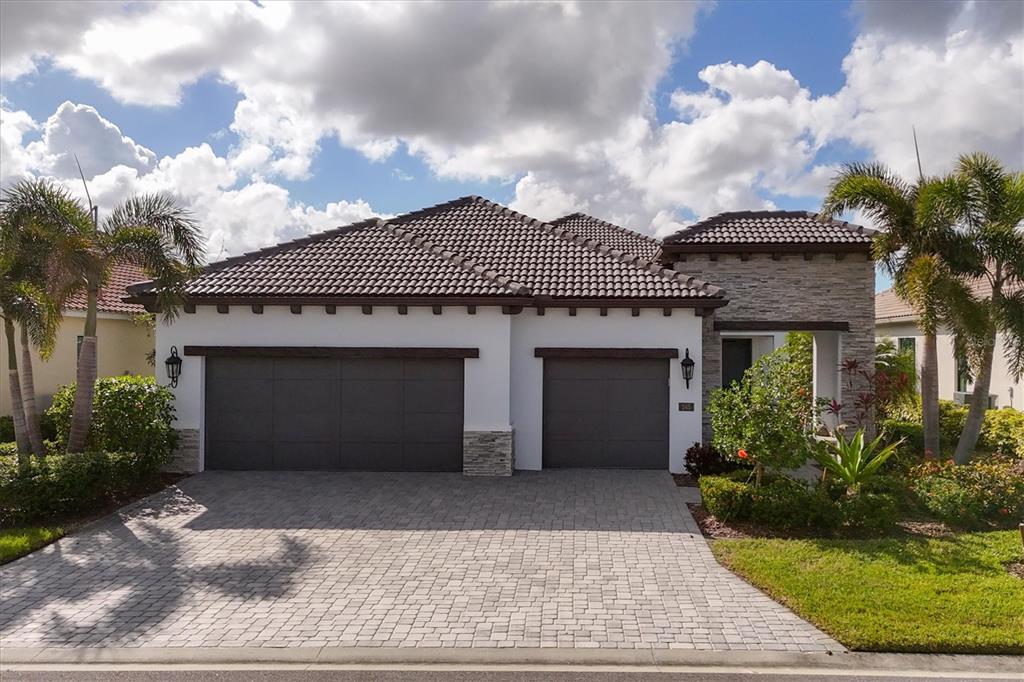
(270,120)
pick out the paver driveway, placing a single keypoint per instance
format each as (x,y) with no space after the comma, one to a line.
(554,558)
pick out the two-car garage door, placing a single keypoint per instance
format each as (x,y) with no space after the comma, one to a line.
(390,414)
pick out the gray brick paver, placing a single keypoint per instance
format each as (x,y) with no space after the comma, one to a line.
(587,559)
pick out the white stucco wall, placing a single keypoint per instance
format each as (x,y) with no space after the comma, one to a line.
(588,329)
(486,377)
(1002,381)
(503,387)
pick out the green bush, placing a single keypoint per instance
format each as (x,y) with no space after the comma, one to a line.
(912,434)
(62,486)
(782,503)
(989,491)
(1003,432)
(762,419)
(130,414)
(46,425)
(727,499)
(873,512)
(952,417)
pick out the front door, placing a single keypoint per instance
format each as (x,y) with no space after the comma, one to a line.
(737,356)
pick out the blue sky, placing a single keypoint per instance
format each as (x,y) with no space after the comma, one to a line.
(676,111)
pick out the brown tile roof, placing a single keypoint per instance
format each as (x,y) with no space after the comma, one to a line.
(891,308)
(795,228)
(467,248)
(614,236)
(112,293)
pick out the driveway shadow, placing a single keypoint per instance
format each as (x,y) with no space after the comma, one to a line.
(122,581)
(596,500)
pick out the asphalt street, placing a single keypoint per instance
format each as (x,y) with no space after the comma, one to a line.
(437,676)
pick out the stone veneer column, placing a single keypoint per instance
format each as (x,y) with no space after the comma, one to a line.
(487,453)
(710,370)
(185,459)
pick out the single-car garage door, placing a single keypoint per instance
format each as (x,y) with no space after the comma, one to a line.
(605,412)
(334,413)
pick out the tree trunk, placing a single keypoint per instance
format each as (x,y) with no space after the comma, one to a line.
(979,403)
(81,416)
(28,397)
(930,396)
(17,410)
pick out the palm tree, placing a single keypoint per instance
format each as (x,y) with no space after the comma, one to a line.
(989,204)
(34,282)
(151,231)
(917,246)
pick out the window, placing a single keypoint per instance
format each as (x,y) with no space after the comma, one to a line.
(908,343)
(963,374)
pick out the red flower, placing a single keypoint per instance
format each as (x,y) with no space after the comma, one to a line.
(742,454)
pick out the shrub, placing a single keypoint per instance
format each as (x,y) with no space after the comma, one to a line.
(1003,432)
(869,511)
(853,461)
(782,503)
(59,486)
(911,433)
(989,491)
(762,419)
(727,499)
(45,425)
(705,460)
(130,414)
(952,418)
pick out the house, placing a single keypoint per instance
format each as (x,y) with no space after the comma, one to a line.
(469,337)
(895,320)
(124,345)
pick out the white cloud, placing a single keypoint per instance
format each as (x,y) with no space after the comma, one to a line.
(963,94)
(544,200)
(557,98)
(78,130)
(237,212)
(15,161)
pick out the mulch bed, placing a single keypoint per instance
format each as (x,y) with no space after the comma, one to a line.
(1016,568)
(684,480)
(716,529)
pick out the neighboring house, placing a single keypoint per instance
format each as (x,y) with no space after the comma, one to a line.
(895,320)
(469,337)
(122,343)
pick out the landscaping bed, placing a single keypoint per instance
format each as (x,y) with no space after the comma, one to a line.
(129,441)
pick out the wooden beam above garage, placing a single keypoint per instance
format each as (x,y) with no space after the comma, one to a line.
(329,352)
(607,353)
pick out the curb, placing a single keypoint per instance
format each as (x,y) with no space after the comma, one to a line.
(641,658)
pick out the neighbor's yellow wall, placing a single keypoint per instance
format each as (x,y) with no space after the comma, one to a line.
(122,348)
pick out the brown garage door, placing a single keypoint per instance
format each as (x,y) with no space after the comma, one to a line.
(334,414)
(609,413)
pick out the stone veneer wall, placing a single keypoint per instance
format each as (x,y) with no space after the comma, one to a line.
(487,453)
(186,456)
(826,287)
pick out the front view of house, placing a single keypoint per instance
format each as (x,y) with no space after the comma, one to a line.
(468,337)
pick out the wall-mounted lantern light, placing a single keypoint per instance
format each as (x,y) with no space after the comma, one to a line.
(173,363)
(687,364)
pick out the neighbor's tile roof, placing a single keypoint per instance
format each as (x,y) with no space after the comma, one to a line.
(891,308)
(770,227)
(112,293)
(614,236)
(470,247)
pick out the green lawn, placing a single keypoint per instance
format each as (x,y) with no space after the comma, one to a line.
(895,594)
(16,542)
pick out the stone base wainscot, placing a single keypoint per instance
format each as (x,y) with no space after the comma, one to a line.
(185,459)
(487,453)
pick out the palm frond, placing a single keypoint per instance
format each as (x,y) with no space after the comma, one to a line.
(146,248)
(177,229)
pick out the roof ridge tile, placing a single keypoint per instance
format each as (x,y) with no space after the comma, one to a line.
(635,261)
(449,257)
